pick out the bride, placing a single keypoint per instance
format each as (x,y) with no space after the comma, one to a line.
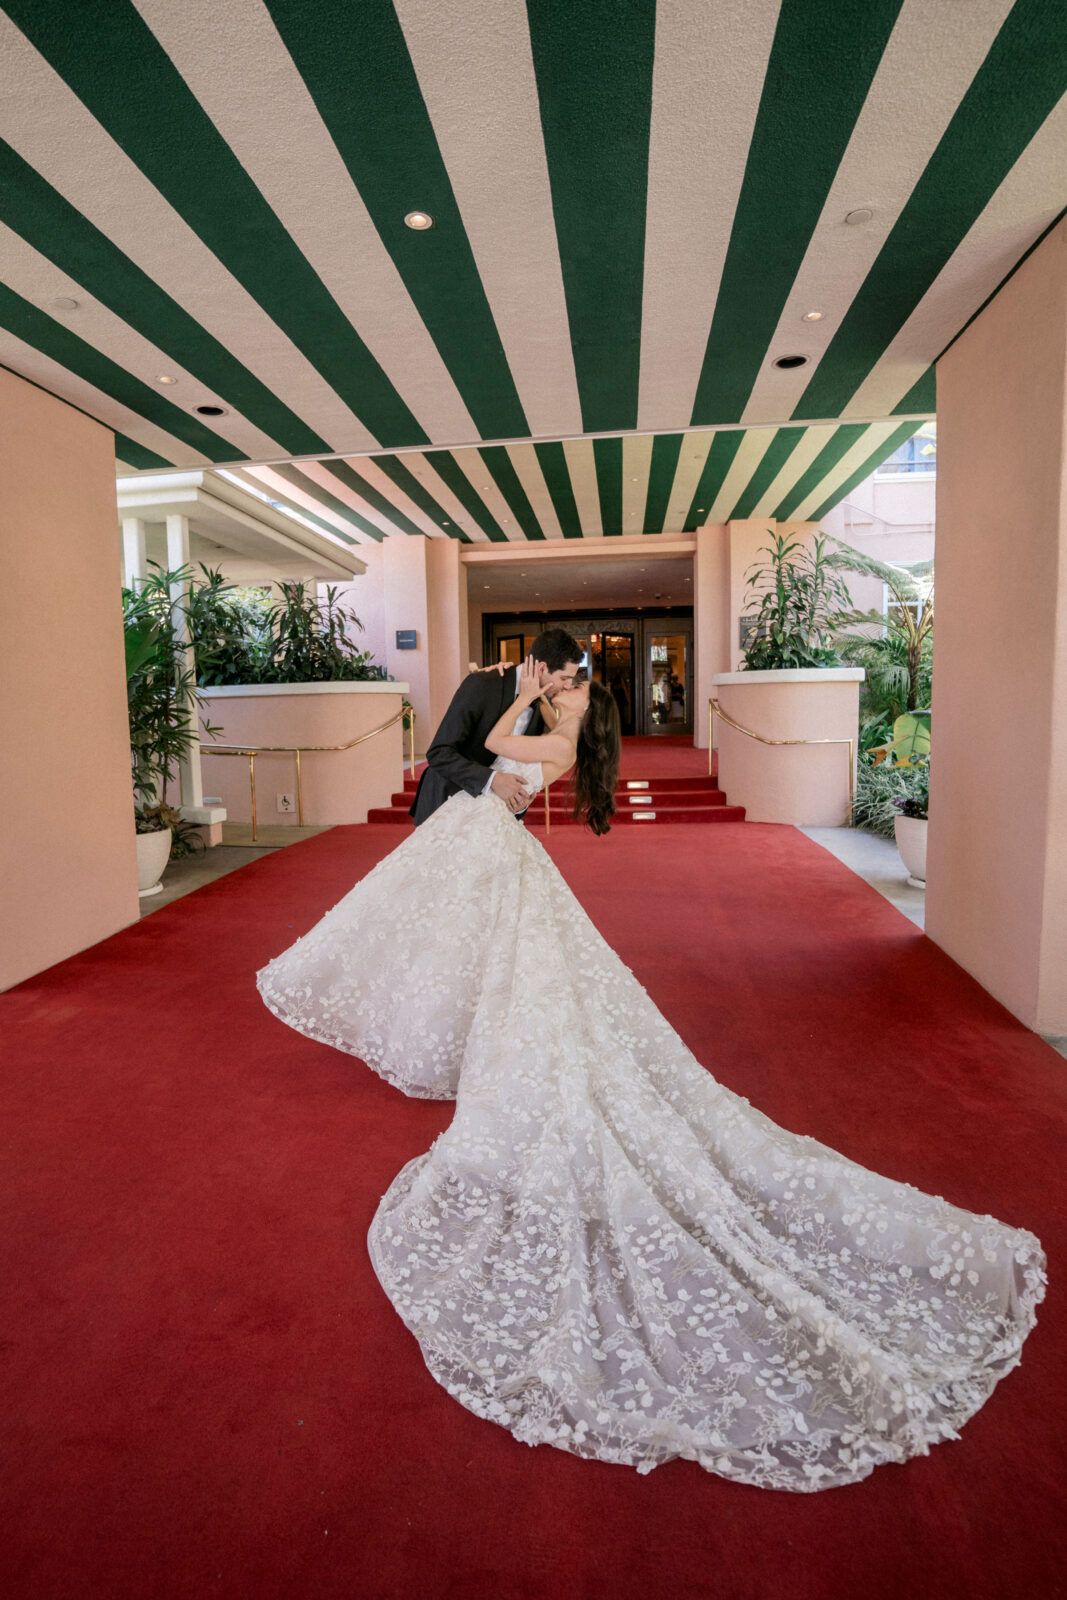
(608,1250)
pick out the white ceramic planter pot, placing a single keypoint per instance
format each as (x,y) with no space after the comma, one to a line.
(153,853)
(911,842)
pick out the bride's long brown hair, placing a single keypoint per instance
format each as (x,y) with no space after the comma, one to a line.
(596,769)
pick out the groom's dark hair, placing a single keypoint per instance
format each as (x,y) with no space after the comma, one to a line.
(555,648)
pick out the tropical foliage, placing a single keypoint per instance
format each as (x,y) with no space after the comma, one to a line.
(160,696)
(242,636)
(800,594)
(898,657)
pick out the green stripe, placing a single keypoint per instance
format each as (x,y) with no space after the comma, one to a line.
(872,463)
(1018,84)
(406,481)
(593,63)
(299,511)
(57,342)
(922,396)
(116,66)
(841,440)
(552,459)
(607,457)
(137,455)
(39,214)
(724,446)
(820,70)
(447,467)
(374,497)
(775,457)
(509,483)
(666,448)
(300,480)
(357,69)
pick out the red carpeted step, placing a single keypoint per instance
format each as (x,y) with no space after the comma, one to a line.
(719,811)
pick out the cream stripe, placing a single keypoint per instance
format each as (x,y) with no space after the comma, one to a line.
(528,468)
(52,130)
(814,440)
(636,462)
(753,448)
(1028,200)
(235,63)
(368,468)
(35,278)
(436,486)
(691,459)
(246,478)
(475,69)
(709,69)
(581,465)
(481,479)
(903,119)
(290,495)
(58,380)
(865,446)
(341,491)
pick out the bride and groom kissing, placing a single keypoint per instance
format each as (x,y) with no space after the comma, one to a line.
(608,1250)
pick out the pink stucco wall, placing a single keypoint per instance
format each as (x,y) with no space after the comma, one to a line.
(339,786)
(996,896)
(69,867)
(808,784)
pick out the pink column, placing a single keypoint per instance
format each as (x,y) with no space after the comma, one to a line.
(69,868)
(996,896)
(711,619)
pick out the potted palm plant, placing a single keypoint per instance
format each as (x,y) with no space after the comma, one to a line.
(160,693)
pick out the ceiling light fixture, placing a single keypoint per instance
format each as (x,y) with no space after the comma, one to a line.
(163,378)
(64,302)
(210,411)
(788,362)
(419,220)
(861,214)
(813,316)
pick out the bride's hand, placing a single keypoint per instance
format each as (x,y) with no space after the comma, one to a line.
(530,680)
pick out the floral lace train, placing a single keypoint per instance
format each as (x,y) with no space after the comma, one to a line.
(607,1250)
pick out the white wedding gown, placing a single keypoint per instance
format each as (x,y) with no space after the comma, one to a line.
(608,1251)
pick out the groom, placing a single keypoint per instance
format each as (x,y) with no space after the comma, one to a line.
(457,758)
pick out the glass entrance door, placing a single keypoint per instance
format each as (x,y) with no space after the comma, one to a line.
(611,662)
(668,707)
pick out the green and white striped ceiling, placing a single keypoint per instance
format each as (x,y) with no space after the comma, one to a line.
(635,204)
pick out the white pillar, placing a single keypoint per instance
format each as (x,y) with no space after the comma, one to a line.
(133,551)
(189,767)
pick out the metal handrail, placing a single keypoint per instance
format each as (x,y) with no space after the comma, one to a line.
(252,751)
(714,706)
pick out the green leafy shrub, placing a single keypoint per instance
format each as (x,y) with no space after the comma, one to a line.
(881,792)
(241,636)
(800,596)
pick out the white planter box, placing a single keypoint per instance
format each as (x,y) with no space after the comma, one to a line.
(911,842)
(153,853)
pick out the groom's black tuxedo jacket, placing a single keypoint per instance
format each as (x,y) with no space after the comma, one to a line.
(457,758)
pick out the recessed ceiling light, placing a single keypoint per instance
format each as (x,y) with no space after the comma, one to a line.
(419,220)
(688,580)
(861,214)
(787,362)
(701,508)
(210,411)
(64,302)
(813,316)
(164,378)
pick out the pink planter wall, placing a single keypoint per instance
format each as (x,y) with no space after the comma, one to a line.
(340,786)
(803,785)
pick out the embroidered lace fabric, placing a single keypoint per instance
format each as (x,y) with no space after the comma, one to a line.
(608,1250)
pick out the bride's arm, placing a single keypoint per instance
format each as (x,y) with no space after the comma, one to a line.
(550,747)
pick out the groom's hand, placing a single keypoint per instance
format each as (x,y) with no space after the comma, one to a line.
(511,789)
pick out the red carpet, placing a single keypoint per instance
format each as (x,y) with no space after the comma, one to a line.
(205,1391)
